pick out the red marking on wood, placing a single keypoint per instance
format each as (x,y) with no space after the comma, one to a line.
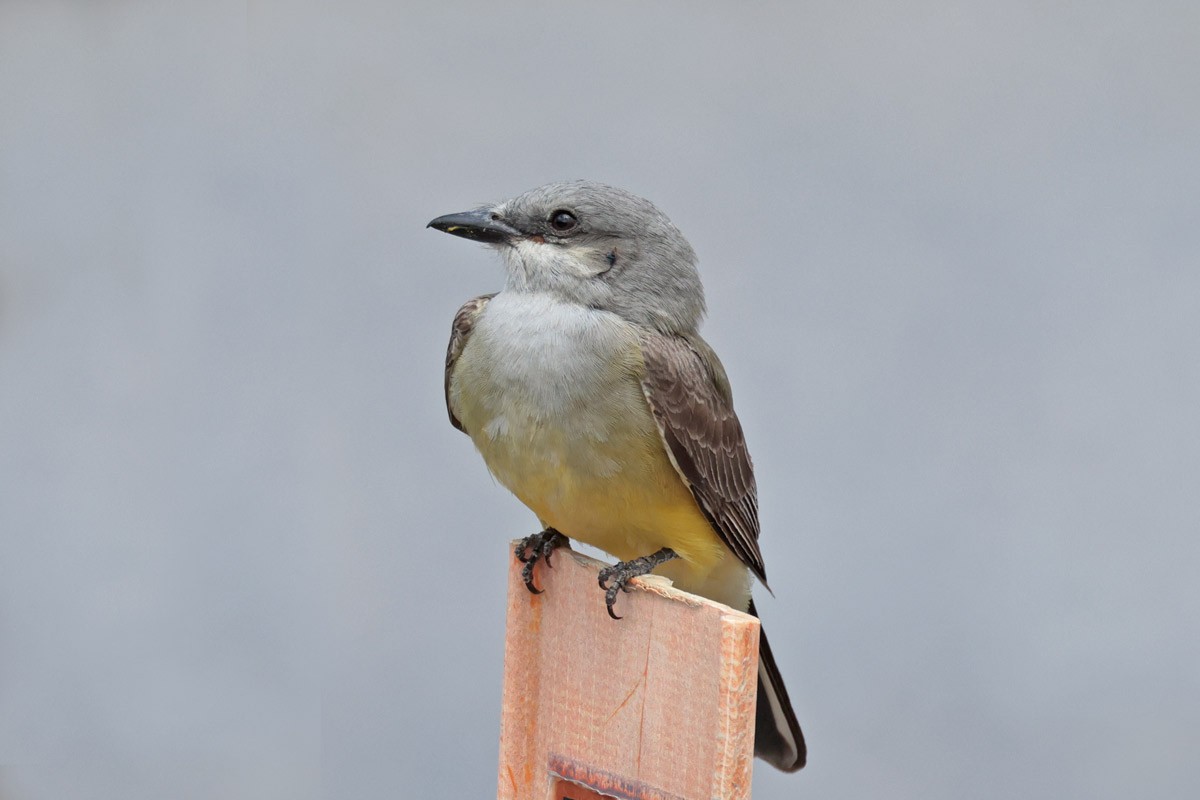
(512,779)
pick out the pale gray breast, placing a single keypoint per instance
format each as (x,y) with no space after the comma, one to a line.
(537,366)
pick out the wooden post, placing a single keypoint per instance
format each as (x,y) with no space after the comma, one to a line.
(658,705)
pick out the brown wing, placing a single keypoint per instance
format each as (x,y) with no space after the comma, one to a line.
(464,323)
(693,406)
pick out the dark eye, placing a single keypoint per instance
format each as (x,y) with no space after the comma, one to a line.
(562,220)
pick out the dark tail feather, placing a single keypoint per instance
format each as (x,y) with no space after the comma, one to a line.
(777,736)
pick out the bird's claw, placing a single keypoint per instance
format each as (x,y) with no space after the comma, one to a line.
(535,548)
(620,574)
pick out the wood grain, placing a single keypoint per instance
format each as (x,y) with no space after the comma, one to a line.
(659,704)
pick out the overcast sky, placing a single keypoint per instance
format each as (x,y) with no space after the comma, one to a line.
(953,269)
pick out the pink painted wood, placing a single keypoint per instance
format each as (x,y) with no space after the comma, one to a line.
(658,705)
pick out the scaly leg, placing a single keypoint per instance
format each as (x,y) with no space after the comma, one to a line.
(620,574)
(535,548)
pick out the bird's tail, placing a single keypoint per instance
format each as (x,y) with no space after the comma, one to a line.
(777,736)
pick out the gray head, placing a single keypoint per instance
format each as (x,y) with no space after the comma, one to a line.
(595,245)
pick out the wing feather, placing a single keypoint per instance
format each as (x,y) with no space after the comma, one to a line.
(460,331)
(690,398)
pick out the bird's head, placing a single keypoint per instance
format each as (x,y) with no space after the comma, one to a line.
(595,245)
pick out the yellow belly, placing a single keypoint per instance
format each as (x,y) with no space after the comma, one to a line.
(622,496)
(636,511)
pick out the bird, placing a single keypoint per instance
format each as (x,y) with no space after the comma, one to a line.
(591,396)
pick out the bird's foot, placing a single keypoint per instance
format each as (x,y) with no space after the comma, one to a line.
(616,578)
(536,548)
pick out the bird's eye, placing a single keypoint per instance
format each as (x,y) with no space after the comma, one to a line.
(562,220)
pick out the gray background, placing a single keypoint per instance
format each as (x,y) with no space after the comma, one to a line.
(953,268)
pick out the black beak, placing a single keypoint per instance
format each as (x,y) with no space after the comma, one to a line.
(481,225)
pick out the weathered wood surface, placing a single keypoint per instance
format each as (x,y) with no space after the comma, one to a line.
(659,704)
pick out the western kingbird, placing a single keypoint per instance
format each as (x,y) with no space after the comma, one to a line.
(591,396)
